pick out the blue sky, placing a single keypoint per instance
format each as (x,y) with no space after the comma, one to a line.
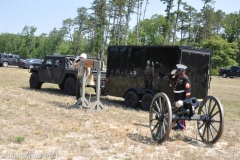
(48,14)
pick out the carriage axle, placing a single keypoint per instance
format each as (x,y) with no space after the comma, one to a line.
(195,117)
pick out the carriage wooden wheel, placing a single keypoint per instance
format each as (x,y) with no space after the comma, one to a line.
(211,128)
(160,117)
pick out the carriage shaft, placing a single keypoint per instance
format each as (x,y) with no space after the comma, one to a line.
(186,117)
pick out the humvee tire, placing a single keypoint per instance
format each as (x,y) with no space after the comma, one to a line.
(34,81)
(70,86)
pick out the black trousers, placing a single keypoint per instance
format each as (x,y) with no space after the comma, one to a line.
(179,96)
(78,88)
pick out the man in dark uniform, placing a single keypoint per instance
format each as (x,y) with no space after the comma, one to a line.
(182,89)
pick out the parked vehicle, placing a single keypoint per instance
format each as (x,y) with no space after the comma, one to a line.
(234,71)
(28,63)
(20,62)
(9,59)
(126,75)
(64,75)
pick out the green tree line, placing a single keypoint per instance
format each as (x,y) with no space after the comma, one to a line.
(106,23)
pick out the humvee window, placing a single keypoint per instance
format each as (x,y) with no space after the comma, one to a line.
(49,62)
(16,56)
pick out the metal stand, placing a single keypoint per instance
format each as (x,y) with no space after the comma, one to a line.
(97,106)
(82,100)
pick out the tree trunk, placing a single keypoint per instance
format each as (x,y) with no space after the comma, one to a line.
(176,23)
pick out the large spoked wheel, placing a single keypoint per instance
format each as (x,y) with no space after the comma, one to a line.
(160,117)
(211,128)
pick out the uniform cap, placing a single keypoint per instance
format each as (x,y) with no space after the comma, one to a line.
(181,66)
(83,55)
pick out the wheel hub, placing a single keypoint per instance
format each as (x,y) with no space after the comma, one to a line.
(159,117)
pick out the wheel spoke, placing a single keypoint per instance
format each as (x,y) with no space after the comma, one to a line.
(164,120)
(160,104)
(202,111)
(214,114)
(163,128)
(213,127)
(155,126)
(157,106)
(206,108)
(211,132)
(209,107)
(207,132)
(212,109)
(201,125)
(204,130)
(159,133)
(155,111)
(215,121)
(164,107)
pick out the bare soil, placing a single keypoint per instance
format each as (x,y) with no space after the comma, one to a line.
(40,124)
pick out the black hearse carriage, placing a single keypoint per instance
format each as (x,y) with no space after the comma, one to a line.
(139,75)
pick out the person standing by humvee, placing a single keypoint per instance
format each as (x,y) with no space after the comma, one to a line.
(182,89)
(82,57)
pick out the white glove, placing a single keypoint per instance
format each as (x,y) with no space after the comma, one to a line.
(179,103)
(173,72)
(77,58)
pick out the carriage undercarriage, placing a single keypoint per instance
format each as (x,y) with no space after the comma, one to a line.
(209,117)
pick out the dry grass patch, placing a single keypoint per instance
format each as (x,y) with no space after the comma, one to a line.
(42,122)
